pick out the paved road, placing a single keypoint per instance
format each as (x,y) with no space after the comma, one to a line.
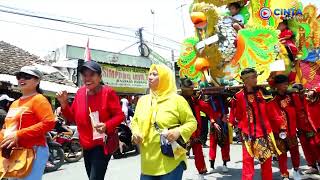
(129,169)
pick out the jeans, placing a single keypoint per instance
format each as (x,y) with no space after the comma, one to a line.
(176,174)
(39,164)
(96,163)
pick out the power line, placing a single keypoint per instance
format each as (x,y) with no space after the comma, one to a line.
(34,12)
(83,24)
(93,24)
(80,24)
(128,47)
(162,46)
(64,31)
(64,21)
(90,35)
(162,37)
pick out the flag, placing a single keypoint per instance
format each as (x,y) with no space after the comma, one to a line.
(87,53)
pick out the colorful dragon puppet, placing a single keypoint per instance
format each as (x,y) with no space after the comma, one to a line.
(217,53)
(307,32)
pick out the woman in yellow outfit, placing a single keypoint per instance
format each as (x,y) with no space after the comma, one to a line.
(164,108)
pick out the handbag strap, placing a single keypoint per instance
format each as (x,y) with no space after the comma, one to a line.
(154,117)
(20,122)
(4,173)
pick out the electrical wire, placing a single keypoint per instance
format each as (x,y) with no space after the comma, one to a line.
(162,37)
(64,31)
(163,46)
(86,34)
(33,12)
(85,23)
(85,26)
(65,21)
(128,47)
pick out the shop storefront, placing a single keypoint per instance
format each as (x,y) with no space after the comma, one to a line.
(124,79)
(126,74)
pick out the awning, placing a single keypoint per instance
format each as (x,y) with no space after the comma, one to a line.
(46,86)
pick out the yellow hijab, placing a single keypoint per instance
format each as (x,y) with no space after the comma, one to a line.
(166,86)
(165,89)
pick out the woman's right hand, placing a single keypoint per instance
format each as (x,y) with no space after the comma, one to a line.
(62,97)
(136,139)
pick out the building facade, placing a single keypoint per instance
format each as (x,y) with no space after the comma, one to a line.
(124,73)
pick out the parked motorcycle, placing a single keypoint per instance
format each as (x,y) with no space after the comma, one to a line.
(56,155)
(68,137)
(126,146)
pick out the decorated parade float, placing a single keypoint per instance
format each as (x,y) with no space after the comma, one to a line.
(273,37)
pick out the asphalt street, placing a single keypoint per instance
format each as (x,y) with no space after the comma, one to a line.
(129,168)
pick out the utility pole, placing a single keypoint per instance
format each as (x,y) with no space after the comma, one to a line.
(181,16)
(143,48)
(153,25)
(141,41)
(173,64)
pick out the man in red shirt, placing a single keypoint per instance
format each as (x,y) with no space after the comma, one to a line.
(309,130)
(249,109)
(220,137)
(197,105)
(287,104)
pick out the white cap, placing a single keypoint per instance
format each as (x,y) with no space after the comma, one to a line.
(5,97)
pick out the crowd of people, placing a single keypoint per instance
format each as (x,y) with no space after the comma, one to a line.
(270,122)
(166,125)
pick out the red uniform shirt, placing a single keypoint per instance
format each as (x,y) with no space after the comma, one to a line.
(313,110)
(243,108)
(303,122)
(106,102)
(199,105)
(289,108)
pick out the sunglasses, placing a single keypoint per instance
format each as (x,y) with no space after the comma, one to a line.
(24,76)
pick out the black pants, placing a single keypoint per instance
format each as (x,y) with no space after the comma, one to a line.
(204,130)
(96,163)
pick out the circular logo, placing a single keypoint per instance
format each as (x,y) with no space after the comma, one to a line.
(265,13)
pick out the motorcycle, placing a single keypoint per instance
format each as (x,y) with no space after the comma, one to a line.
(68,137)
(125,144)
(56,154)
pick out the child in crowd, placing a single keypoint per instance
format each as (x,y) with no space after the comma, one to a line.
(289,106)
(286,38)
(237,18)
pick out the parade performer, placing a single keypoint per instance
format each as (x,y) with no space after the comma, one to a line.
(197,105)
(286,38)
(237,18)
(221,137)
(309,133)
(249,109)
(287,104)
